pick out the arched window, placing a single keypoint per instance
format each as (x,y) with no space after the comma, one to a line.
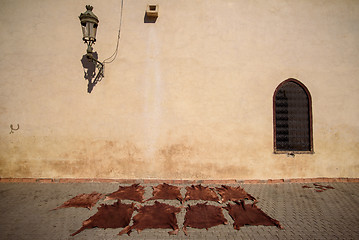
(292,118)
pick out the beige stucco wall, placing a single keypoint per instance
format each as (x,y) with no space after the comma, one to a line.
(188,97)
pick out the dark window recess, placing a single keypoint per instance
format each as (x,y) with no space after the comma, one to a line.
(292,118)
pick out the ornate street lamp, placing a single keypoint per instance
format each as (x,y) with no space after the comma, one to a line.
(89,24)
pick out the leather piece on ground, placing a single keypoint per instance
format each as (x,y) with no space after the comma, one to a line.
(159,215)
(134,192)
(249,214)
(82,200)
(117,215)
(229,193)
(200,192)
(319,187)
(202,215)
(167,192)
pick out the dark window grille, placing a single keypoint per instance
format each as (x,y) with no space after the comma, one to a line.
(292,118)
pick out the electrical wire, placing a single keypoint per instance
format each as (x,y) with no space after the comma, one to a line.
(114,55)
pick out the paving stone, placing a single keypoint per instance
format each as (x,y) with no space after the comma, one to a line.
(304,213)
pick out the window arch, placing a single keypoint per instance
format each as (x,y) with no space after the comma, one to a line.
(292,118)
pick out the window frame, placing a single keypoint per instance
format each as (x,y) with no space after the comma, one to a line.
(311,151)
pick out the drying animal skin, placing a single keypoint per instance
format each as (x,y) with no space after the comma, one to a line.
(159,215)
(117,215)
(199,192)
(249,214)
(83,200)
(229,193)
(134,192)
(319,187)
(166,191)
(203,216)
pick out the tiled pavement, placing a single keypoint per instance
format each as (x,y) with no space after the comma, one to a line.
(303,212)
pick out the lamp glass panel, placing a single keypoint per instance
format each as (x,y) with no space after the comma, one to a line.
(92,31)
(84,31)
(88,30)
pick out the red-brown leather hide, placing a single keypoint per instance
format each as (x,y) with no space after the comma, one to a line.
(117,215)
(83,200)
(319,187)
(159,215)
(166,191)
(134,192)
(249,214)
(203,216)
(199,192)
(229,193)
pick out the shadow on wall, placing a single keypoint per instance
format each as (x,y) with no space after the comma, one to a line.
(90,71)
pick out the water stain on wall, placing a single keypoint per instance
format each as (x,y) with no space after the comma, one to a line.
(183,161)
(174,156)
(106,159)
(47,157)
(187,158)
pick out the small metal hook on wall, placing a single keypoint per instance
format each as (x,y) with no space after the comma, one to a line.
(290,154)
(14,129)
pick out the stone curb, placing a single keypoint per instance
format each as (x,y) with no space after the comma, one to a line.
(174,181)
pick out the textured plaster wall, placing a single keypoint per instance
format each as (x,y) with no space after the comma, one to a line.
(188,97)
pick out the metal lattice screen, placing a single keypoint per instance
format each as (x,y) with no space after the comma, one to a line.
(292,118)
